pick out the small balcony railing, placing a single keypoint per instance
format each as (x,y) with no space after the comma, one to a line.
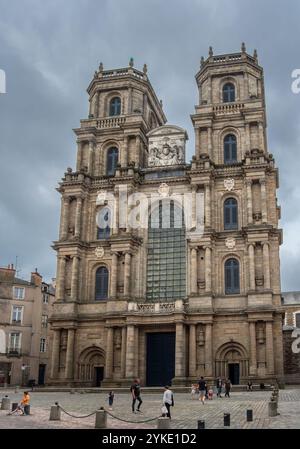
(13,352)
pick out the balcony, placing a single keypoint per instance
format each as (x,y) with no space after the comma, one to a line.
(13,352)
(228,109)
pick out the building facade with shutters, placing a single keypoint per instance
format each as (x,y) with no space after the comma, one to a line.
(169,270)
(24,330)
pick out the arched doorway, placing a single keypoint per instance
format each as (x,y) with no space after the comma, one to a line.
(232,362)
(91,366)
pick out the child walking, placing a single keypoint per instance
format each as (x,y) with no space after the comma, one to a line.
(111,396)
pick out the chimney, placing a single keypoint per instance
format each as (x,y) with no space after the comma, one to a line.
(7,274)
(36,278)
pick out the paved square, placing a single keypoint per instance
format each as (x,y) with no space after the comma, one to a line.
(185,413)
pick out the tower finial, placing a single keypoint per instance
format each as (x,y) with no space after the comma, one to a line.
(161,103)
(145,69)
(101,67)
(210,51)
(255,54)
(202,61)
(243,47)
(131,62)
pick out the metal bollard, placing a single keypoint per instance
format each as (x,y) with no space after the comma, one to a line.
(14,406)
(163,423)
(273,408)
(5,403)
(55,413)
(101,419)
(227,419)
(249,415)
(201,424)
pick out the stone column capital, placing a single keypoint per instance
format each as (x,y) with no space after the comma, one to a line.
(262,181)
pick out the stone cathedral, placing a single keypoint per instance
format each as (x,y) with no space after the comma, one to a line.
(169,270)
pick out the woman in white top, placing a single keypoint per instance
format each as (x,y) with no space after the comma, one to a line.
(168,400)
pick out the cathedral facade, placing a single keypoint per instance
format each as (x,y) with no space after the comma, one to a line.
(169,270)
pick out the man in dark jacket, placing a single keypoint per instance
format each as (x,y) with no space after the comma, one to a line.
(202,389)
(136,395)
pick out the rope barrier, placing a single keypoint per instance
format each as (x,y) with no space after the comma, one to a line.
(110,414)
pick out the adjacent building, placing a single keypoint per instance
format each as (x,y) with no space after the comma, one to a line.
(169,270)
(24,330)
(291,336)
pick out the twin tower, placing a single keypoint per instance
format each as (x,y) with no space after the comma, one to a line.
(169,270)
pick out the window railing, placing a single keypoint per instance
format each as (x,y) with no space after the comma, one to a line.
(12,351)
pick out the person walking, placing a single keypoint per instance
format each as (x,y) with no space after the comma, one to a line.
(168,400)
(249,386)
(136,395)
(219,387)
(111,396)
(25,403)
(202,389)
(227,388)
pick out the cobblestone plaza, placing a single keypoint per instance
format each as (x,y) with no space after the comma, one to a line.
(185,413)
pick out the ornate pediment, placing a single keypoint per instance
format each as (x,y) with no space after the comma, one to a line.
(166,146)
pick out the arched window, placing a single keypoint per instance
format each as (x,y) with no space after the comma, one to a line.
(228,93)
(232,277)
(115,106)
(112,161)
(230,149)
(104,223)
(230,214)
(101,290)
(166,259)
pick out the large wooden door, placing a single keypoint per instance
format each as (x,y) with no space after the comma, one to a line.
(160,358)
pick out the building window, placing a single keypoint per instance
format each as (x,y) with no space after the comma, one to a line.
(19,292)
(43,345)
(166,258)
(17,314)
(101,284)
(232,277)
(104,223)
(45,298)
(112,161)
(228,93)
(230,149)
(230,214)
(44,320)
(297,320)
(115,106)
(14,343)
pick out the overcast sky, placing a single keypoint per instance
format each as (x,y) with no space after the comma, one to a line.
(50,50)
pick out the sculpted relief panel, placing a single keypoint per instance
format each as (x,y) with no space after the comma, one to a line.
(166,146)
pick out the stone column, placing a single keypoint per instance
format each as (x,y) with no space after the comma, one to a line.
(269,347)
(207,206)
(123,352)
(60,288)
(192,351)
(69,370)
(116,211)
(79,155)
(248,138)
(78,214)
(114,275)
(208,350)
(251,266)
(249,201)
(91,158)
(97,106)
(127,270)
(208,285)
(109,358)
(180,351)
(137,150)
(261,136)
(125,151)
(266,258)
(263,200)
(130,356)
(194,284)
(65,218)
(74,278)
(197,141)
(55,353)
(209,138)
(253,360)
